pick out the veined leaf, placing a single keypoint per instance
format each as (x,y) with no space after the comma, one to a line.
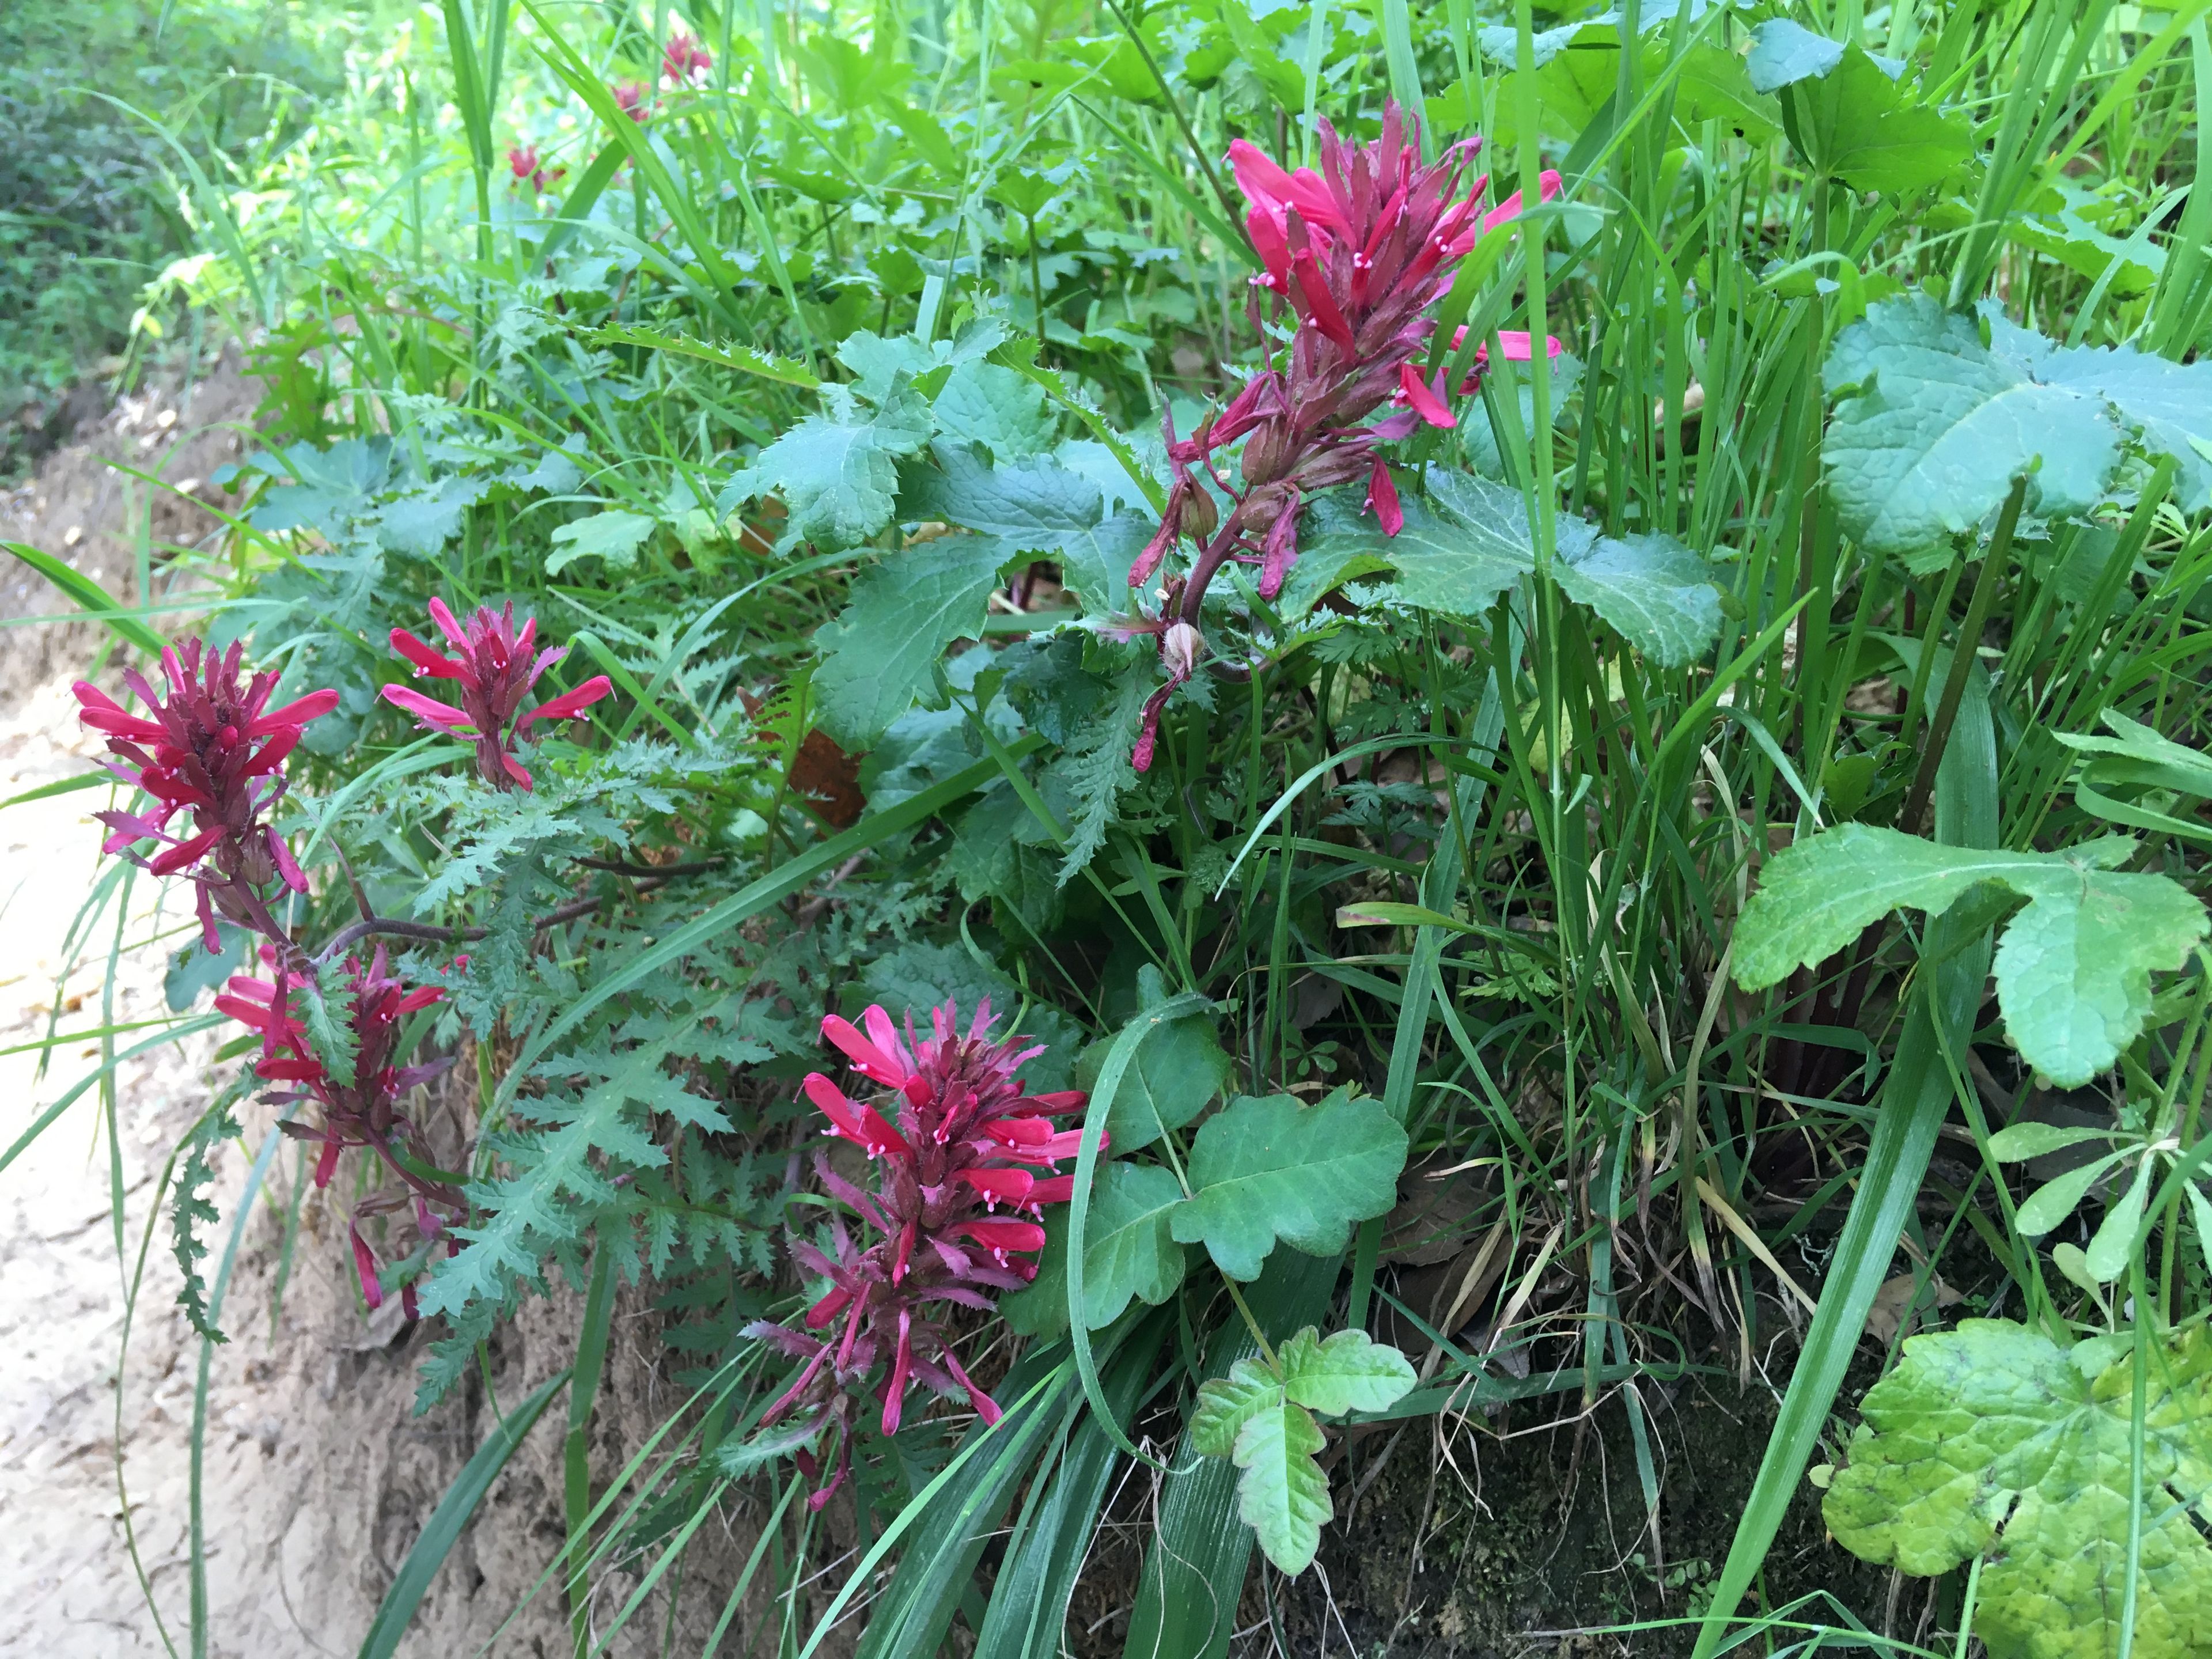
(1267,1167)
(1174,1077)
(1933,425)
(2073,971)
(1226,1404)
(1283,1495)
(1651,589)
(1851,123)
(1991,1441)
(614,535)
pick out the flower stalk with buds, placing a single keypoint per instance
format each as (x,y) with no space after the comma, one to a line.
(1359,253)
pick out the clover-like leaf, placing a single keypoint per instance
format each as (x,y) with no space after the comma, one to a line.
(904,611)
(1265,1169)
(2073,970)
(1349,1372)
(1991,1441)
(1283,1495)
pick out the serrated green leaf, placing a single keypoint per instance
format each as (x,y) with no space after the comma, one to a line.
(2016,1143)
(2169,403)
(1283,1495)
(877,657)
(1349,1372)
(327,1013)
(1034,508)
(1458,551)
(986,403)
(1127,1253)
(2073,970)
(2074,967)
(1989,1440)
(614,535)
(1934,426)
(1651,589)
(837,473)
(1265,1169)
(1226,1404)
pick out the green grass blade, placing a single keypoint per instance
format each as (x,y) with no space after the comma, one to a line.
(90,594)
(449,1519)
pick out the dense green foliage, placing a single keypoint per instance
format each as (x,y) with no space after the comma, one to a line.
(1851,559)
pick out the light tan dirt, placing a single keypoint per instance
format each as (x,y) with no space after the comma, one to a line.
(318,1475)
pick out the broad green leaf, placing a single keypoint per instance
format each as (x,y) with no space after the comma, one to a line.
(904,611)
(1462,548)
(2136,754)
(1227,1403)
(1349,1372)
(614,535)
(1127,1253)
(1932,426)
(1651,589)
(2019,1142)
(1991,1441)
(837,474)
(1852,123)
(1267,1167)
(878,363)
(1283,1495)
(2073,970)
(1784,53)
(1176,1075)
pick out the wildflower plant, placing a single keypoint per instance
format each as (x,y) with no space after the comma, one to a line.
(956,1139)
(495,668)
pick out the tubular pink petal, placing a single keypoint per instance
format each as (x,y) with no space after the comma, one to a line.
(424,658)
(287,868)
(895,1384)
(516,771)
(1382,497)
(870,1059)
(569,703)
(441,614)
(364,1262)
(443,715)
(184,853)
(297,713)
(1425,401)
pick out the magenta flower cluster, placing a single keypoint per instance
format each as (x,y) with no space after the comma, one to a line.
(1360,253)
(209,758)
(956,1141)
(495,669)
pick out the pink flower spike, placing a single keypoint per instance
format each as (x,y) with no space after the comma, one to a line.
(1425,401)
(1382,497)
(1320,305)
(885,1036)
(448,625)
(1001,1186)
(570,702)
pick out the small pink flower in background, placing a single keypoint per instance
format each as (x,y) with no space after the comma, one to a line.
(495,670)
(955,1141)
(685,62)
(522,162)
(630,98)
(215,749)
